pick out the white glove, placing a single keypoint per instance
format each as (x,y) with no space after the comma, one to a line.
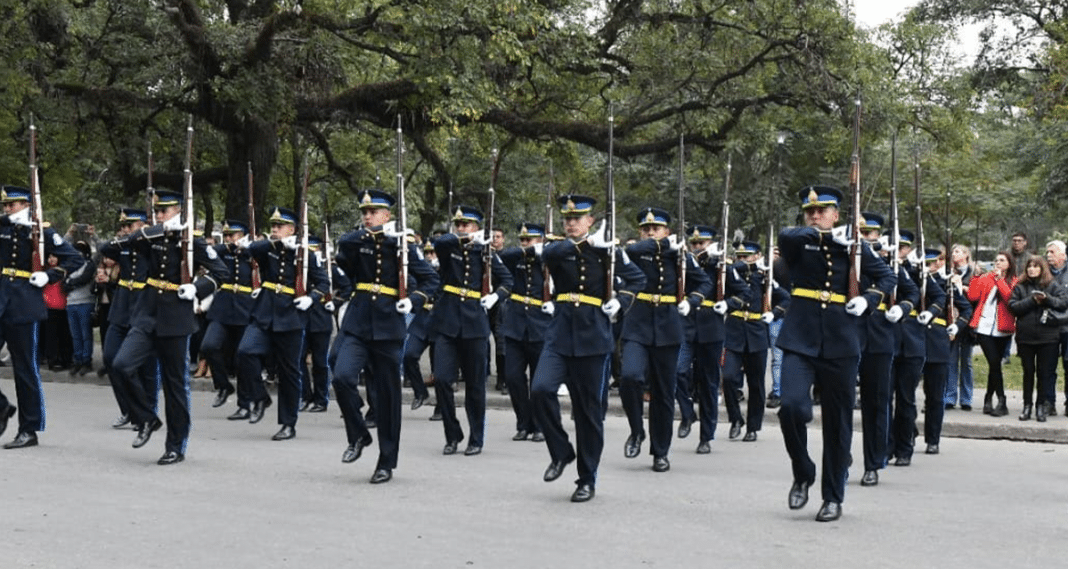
(302,302)
(243,242)
(204,305)
(611,308)
(329,306)
(255,293)
(596,239)
(720,307)
(187,292)
(489,300)
(675,242)
(479,238)
(21,217)
(884,242)
(714,249)
(915,258)
(767,317)
(925,318)
(390,230)
(894,314)
(174,223)
(857,306)
(290,242)
(549,308)
(538,247)
(684,307)
(404,305)
(840,235)
(951,330)
(39,278)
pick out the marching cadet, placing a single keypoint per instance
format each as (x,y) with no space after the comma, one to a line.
(908,364)
(748,340)
(22,306)
(523,326)
(939,332)
(372,332)
(820,343)
(133,275)
(578,341)
(461,325)
(652,333)
(277,321)
(416,341)
(228,316)
(880,337)
(703,345)
(316,387)
(162,321)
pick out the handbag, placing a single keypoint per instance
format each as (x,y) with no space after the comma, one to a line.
(1051,317)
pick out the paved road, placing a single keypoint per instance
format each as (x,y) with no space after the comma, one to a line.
(84,498)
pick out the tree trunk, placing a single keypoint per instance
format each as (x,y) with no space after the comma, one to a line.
(257,143)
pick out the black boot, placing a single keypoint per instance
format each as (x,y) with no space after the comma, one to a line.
(1002,409)
(1026,415)
(988,406)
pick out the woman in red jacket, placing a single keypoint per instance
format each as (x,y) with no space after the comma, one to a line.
(994,325)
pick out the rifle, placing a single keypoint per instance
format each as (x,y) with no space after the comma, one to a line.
(329,263)
(546,278)
(854,186)
(252,227)
(301,285)
(919,229)
(150,191)
(187,233)
(487,253)
(402,244)
(951,311)
(895,224)
(721,284)
(37,213)
(680,286)
(610,211)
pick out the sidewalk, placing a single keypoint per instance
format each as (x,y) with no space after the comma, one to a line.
(957,423)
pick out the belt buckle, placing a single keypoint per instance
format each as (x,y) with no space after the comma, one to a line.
(526,300)
(656,300)
(463,293)
(824,296)
(375,287)
(574,298)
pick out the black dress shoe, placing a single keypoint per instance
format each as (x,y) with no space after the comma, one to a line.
(829,512)
(584,493)
(537,437)
(317,408)
(903,461)
(418,401)
(436,416)
(798,495)
(257,410)
(556,468)
(736,429)
(240,415)
(704,448)
(120,422)
(23,440)
(285,433)
(221,397)
(773,402)
(633,446)
(472,450)
(307,405)
(354,451)
(964,407)
(684,428)
(5,416)
(661,464)
(750,436)
(170,457)
(450,448)
(145,432)
(381,475)
(520,435)
(370,423)
(870,478)
(931,449)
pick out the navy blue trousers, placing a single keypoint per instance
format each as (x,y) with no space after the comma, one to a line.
(587,380)
(413,352)
(172,352)
(836,379)
(935,377)
(752,364)
(285,347)
(469,356)
(658,364)
(22,345)
(906,378)
(217,347)
(383,358)
(521,356)
(875,407)
(316,385)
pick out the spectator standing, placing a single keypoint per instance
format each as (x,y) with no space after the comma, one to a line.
(1036,341)
(80,303)
(962,270)
(55,335)
(104,285)
(1058,262)
(1020,252)
(994,325)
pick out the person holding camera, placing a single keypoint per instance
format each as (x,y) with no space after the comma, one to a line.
(1036,300)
